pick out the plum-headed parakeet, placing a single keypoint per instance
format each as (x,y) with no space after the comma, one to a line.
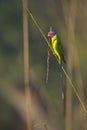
(57,50)
(56,46)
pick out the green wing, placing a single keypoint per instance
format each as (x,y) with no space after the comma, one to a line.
(60,49)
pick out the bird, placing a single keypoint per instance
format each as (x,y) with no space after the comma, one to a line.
(58,51)
(56,46)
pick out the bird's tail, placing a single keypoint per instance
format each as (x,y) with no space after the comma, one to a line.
(61,75)
(63,87)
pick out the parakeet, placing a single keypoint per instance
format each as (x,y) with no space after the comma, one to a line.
(56,46)
(57,50)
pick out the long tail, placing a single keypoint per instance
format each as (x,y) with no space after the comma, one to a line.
(61,75)
(48,61)
(63,90)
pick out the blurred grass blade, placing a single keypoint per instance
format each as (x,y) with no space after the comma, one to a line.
(48,62)
(26,68)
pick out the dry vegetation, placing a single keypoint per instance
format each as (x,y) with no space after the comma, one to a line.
(27,102)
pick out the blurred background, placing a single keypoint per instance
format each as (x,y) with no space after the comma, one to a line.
(68,19)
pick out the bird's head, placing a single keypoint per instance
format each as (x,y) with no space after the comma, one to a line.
(51,34)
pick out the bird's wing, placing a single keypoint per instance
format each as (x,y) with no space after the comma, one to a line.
(60,49)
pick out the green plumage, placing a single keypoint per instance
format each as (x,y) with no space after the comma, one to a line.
(57,48)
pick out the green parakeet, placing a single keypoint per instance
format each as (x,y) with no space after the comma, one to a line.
(58,51)
(56,46)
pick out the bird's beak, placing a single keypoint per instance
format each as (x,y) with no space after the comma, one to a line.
(48,35)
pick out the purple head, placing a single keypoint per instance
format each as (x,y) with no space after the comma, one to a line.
(51,34)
